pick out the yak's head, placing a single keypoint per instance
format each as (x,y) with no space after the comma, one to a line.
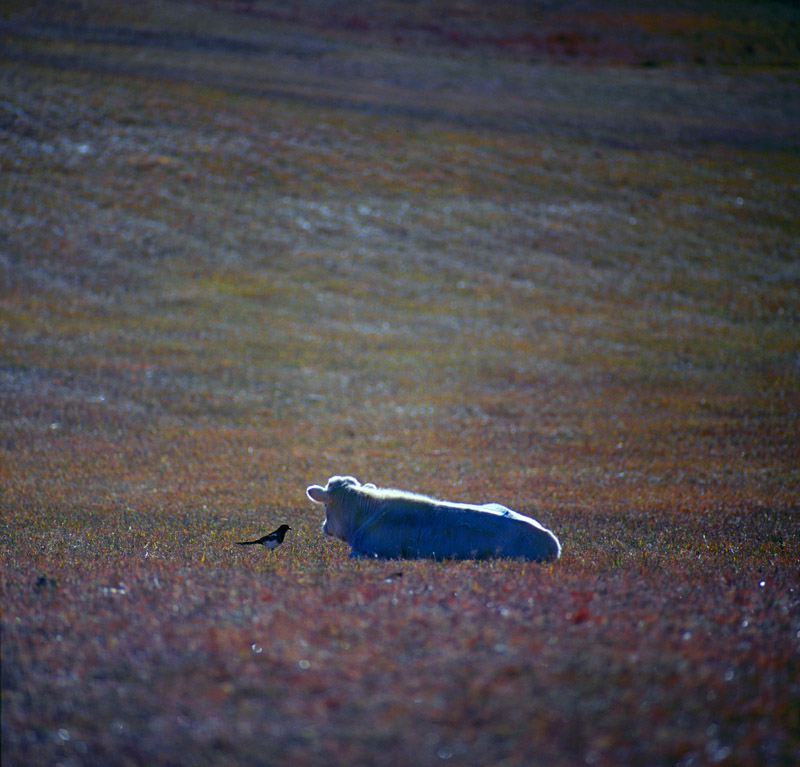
(332,496)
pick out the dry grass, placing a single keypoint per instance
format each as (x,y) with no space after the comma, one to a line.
(498,259)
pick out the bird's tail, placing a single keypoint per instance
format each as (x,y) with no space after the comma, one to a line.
(246,543)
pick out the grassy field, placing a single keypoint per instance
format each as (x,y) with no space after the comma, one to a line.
(540,254)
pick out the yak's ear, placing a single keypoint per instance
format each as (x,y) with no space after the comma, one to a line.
(318,494)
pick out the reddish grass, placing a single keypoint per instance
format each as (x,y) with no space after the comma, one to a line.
(245,248)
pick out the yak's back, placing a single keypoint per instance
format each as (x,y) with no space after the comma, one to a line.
(411,526)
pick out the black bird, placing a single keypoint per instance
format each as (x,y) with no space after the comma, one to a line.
(269,541)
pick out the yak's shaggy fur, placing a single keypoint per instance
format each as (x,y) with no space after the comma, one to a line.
(391,523)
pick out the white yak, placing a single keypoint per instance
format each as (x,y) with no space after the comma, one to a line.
(391,524)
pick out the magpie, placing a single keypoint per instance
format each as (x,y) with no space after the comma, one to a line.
(269,541)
